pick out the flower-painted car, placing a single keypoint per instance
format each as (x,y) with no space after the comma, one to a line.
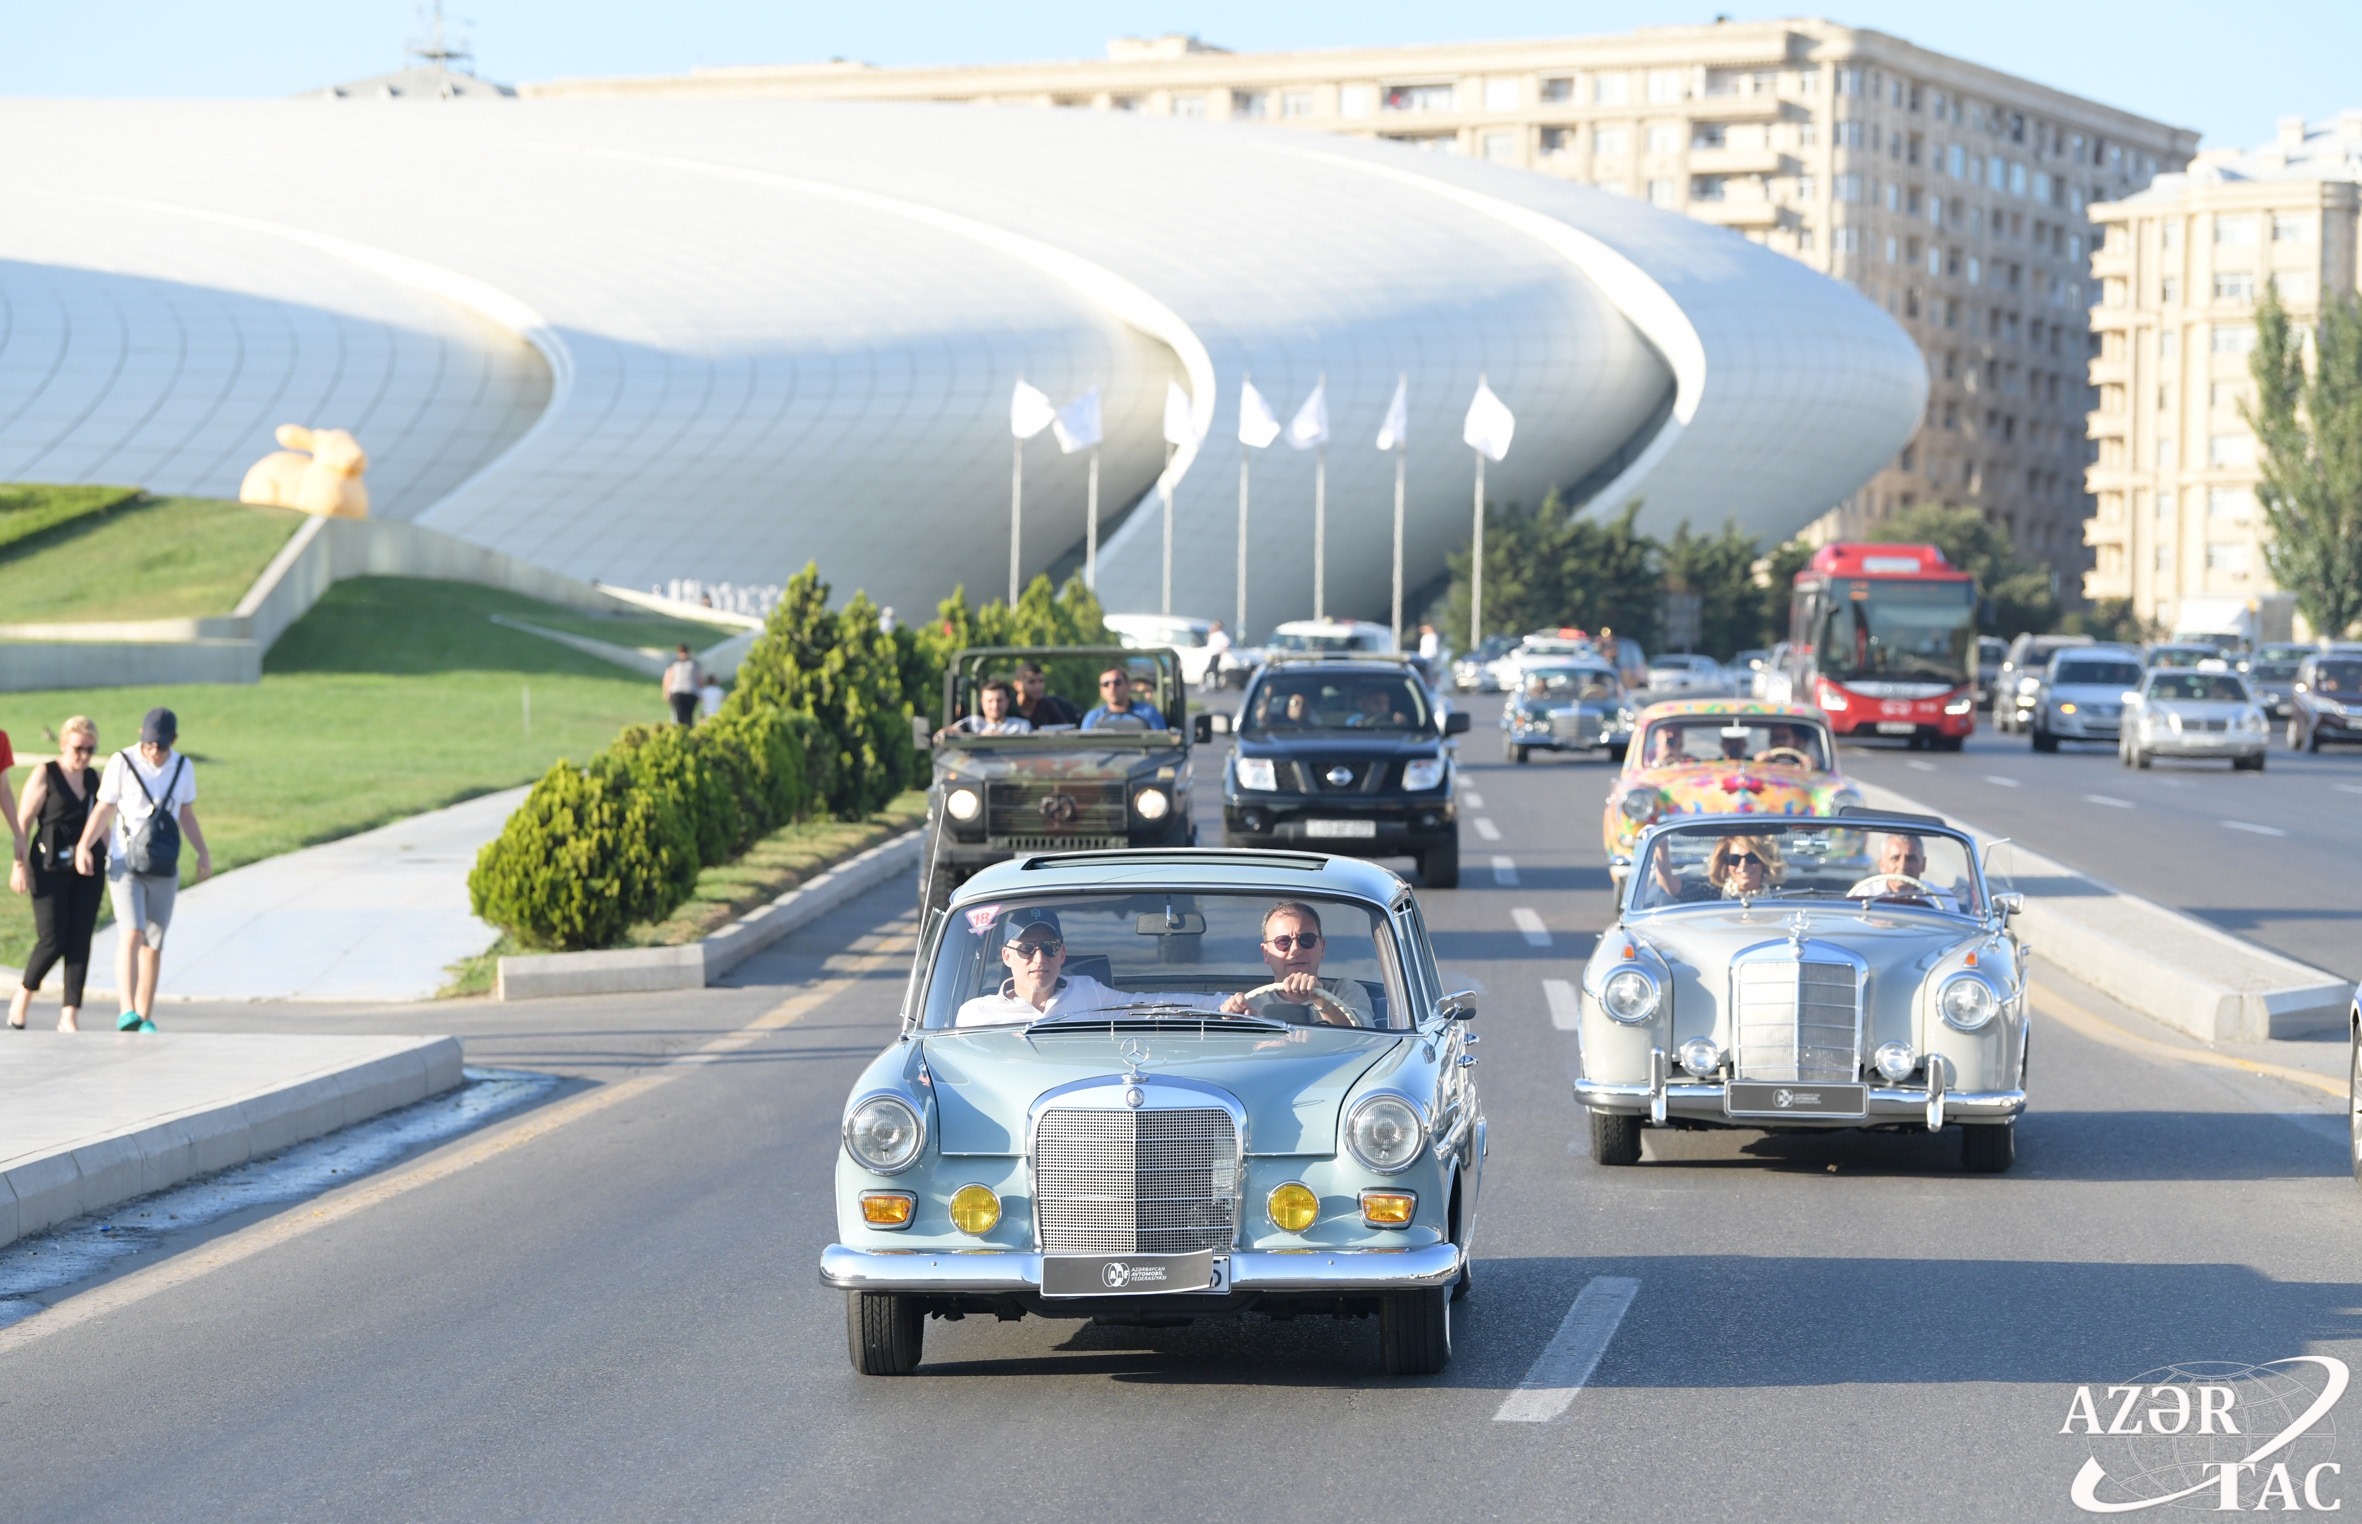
(1574,703)
(1724,757)
(1165,1084)
(1758,977)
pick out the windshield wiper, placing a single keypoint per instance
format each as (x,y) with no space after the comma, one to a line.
(1157,1010)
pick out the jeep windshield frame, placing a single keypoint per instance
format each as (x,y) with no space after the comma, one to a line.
(1068,668)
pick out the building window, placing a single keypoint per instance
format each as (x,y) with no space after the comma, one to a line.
(1976,271)
(1612,89)
(1558,92)
(1709,135)
(1189,105)
(1611,142)
(2234,286)
(1664,85)
(1557,140)
(2235,232)
(1429,142)
(2233,504)
(2287,228)
(1847,187)
(1664,140)
(1501,147)
(1356,100)
(1664,192)
(2017,179)
(1808,135)
(1806,186)
(1891,243)
(2169,290)
(1845,240)
(1846,135)
(1500,95)
(2227,557)
(2167,456)
(1252,104)
(2234,338)
(2169,344)
(2231,450)
(1935,261)
(2169,235)
(1804,240)
(1418,98)
(1894,197)
(1296,103)
(1706,187)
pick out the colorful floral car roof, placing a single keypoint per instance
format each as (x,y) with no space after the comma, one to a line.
(1673,707)
(1722,787)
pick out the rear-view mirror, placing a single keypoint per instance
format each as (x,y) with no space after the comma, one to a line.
(1456,723)
(1207,726)
(922,736)
(1460,1005)
(1167,923)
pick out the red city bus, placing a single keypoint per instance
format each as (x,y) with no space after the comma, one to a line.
(1883,639)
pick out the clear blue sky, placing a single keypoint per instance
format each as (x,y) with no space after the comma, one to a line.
(2227,69)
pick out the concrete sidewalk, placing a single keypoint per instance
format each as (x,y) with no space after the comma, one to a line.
(378,916)
(91,1119)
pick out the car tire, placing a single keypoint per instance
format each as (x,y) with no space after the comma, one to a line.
(2313,741)
(2296,735)
(2141,759)
(1615,1138)
(2044,741)
(1439,867)
(1986,1149)
(2254,764)
(884,1332)
(1950,743)
(1415,1331)
(1616,753)
(1512,752)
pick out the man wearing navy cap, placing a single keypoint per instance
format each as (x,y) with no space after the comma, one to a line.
(1035,952)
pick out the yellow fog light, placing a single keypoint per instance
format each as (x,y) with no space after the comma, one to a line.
(1388,1209)
(975,1209)
(887,1209)
(1293,1207)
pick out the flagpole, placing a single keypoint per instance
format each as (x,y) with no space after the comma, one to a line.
(1091,533)
(1242,543)
(1476,566)
(1400,451)
(1016,513)
(1165,489)
(1320,534)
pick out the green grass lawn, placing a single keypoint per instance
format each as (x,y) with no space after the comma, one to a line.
(130,556)
(390,697)
(643,630)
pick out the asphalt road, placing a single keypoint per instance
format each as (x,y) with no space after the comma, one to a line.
(606,1308)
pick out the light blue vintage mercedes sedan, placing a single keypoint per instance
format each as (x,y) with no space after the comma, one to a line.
(1166,1084)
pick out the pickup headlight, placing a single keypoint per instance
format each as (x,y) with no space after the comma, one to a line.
(1152,803)
(1966,1002)
(884,1134)
(1629,996)
(963,804)
(1258,773)
(1385,1134)
(1423,773)
(1640,804)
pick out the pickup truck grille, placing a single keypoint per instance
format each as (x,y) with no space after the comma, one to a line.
(1795,1021)
(1054,814)
(1135,1182)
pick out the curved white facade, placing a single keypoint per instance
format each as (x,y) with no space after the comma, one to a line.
(642,340)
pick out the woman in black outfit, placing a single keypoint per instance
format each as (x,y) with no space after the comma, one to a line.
(65,903)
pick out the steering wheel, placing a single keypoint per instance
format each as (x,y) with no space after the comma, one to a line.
(1788,755)
(1869,888)
(1120,720)
(1271,996)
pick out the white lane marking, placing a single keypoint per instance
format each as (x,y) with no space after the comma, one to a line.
(1505,872)
(1566,1012)
(1472,799)
(1921,767)
(1573,1353)
(2347,788)
(1486,829)
(2000,782)
(2252,828)
(1530,922)
(2113,804)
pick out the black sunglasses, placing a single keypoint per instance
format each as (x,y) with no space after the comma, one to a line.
(1111,682)
(1738,859)
(1048,947)
(1301,939)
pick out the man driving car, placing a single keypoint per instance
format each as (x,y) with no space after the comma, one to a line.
(1292,948)
(1902,870)
(1038,986)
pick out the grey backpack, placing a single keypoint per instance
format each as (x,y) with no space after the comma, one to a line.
(152,848)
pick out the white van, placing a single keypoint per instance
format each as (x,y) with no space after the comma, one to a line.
(1187,637)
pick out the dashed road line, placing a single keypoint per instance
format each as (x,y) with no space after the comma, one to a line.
(2000,782)
(1566,1012)
(1921,767)
(1486,829)
(1505,872)
(1573,1354)
(1529,921)
(2111,802)
(1472,799)
(2252,828)
(2347,788)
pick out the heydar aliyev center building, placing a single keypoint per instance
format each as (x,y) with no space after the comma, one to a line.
(634,341)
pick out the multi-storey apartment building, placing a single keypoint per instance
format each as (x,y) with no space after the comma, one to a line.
(1954,195)
(2180,269)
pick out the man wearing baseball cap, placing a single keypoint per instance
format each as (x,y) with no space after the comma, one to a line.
(149,797)
(1034,948)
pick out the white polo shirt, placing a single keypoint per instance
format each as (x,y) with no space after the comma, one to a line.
(1075,993)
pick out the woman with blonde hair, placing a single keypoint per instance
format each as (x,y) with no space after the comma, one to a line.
(1745,866)
(65,902)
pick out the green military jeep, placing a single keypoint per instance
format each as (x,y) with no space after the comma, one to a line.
(1058,787)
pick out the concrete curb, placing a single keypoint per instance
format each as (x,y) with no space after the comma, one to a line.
(91,1174)
(2172,967)
(634,970)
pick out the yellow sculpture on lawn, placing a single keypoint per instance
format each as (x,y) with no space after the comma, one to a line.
(326,481)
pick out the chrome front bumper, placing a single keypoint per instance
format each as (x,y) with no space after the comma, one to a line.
(1322,1270)
(1701,1101)
(2205,743)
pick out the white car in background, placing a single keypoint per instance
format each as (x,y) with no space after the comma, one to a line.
(1686,676)
(1187,637)
(2182,712)
(1308,637)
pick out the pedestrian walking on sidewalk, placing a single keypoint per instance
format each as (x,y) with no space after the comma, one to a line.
(709,697)
(57,804)
(681,682)
(149,797)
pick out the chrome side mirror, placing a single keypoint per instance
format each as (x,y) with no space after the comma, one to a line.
(922,735)
(1460,1005)
(2009,902)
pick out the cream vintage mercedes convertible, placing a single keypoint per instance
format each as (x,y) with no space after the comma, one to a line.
(1787,973)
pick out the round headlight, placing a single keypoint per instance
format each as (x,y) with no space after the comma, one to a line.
(1385,1134)
(1629,996)
(1700,1057)
(1152,803)
(1293,1207)
(963,803)
(1640,804)
(975,1210)
(1967,1002)
(1895,1060)
(883,1134)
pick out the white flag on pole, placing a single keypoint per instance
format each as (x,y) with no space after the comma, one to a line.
(1029,411)
(1077,423)
(1178,422)
(1489,424)
(1396,431)
(1256,425)
(1310,426)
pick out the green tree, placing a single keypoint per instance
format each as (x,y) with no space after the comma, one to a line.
(2309,428)
(1553,566)
(1775,590)
(842,670)
(1721,571)
(2019,588)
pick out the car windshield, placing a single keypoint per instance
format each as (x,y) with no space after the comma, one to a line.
(1735,738)
(1758,860)
(2197,687)
(1571,684)
(2185,656)
(1899,630)
(1321,700)
(2339,677)
(1329,640)
(1163,953)
(2273,671)
(2098,674)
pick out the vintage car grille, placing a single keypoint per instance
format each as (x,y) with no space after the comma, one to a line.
(1039,815)
(1135,1182)
(1795,1021)
(1576,726)
(2206,724)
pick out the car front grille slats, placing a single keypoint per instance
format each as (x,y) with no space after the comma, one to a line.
(1135,1182)
(1050,814)
(1796,1022)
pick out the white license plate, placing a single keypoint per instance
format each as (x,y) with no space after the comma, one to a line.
(1897,728)
(1364,830)
(1220,1284)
